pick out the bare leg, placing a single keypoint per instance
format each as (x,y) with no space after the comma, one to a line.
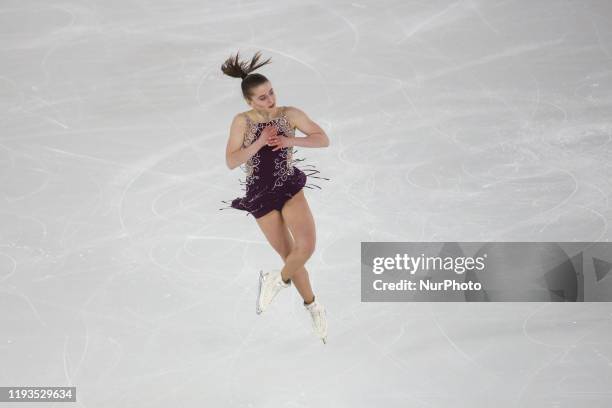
(278,235)
(299,221)
(302,284)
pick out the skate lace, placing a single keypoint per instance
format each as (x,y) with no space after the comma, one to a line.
(318,319)
(272,287)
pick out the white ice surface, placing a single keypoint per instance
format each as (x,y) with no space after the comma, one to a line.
(464,120)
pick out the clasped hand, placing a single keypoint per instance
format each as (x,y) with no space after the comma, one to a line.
(272,138)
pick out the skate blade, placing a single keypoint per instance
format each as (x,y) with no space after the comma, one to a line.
(258,309)
(324,340)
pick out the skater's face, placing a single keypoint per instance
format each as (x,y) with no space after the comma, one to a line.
(263,97)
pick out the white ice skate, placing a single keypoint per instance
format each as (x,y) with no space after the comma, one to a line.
(270,283)
(319,321)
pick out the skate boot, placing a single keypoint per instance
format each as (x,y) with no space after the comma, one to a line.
(270,283)
(319,321)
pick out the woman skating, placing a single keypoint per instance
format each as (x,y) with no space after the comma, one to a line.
(263,139)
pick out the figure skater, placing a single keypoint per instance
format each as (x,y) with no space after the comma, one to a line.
(263,139)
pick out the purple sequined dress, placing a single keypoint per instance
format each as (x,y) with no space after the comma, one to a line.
(272,177)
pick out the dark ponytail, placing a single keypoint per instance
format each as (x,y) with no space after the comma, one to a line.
(234,68)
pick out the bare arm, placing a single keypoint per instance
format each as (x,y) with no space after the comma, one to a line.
(315,136)
(235,154)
